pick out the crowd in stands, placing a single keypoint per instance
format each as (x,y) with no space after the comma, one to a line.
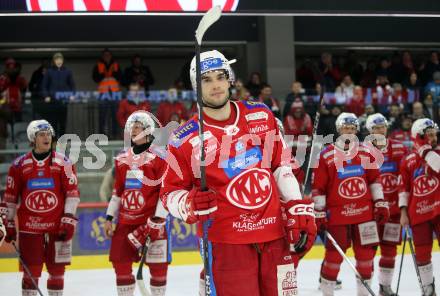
(396,86)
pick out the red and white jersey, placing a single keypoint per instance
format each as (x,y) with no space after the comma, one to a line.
(419,188)
(41,188)
(393,154)
(137,183)
(348,198)
(241,156)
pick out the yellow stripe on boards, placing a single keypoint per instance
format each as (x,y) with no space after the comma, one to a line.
(179,258)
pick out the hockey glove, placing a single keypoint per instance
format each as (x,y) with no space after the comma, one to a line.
(321,220)
(154,228)
(2,231)
(198,206)
(300,226)
(381,211)
(67,227)
(11,231)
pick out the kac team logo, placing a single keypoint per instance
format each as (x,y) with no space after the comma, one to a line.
(425,185)
(251,189)
(41,201)
(352,188)
(389,182)
(132,200)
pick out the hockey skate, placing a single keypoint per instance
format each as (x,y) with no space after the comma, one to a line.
(429,290)
(337,287)
(386,291)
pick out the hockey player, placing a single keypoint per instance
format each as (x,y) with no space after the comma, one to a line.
(348,201)
(3,219)
(44,182)
(419,196)
(135,202)
(251,251)
(390,232)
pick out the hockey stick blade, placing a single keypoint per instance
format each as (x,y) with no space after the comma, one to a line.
(139,276)
(210,17)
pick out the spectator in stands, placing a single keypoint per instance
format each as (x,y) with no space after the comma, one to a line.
(255,84)
(107,74)
(382,92)
(344,92)
(413,88)
(58,89)
(368,79)
(239,92)
(369,109)
(403,132)
(36,89)
(267,98)
(430,108)
(12,88)
(353,67)
(134,101)
(296,92)
(297,121)
(308,74)
(428,69)
(399,95)
(171,106)
(396,69)
(330,74)
(418,111)
(394,114)
(138,73)
(433,87)
(5,117)
(327,124)
(384,67)
(356,104)
(408,65)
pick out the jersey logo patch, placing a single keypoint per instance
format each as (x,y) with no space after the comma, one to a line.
(250,189)
(179,134)
(133,184)
(235,165)
(389,182)
(41,183)
(351,171)
(41,201)
(132,200)
(388,167)
(425,185)
(352,188)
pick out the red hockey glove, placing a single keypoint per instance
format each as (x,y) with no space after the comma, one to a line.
(2,231)
(422,146)
(67,227)
(300,226)
(381,211)
(199,206)
(154,228)
(11,231)
(321,220)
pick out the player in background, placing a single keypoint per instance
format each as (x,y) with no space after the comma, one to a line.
(251,250)
(135,203)
(349,201)
(419,195)
(389,233)
(45,184)
(3,219)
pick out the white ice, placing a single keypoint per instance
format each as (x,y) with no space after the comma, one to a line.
(183,280)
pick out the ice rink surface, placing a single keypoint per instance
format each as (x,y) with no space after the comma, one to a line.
(183,280)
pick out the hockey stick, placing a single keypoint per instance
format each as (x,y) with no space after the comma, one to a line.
(139,276)
(358,275)
(401,263)
(307,181)
(26,269)
(413,255)
(207,20)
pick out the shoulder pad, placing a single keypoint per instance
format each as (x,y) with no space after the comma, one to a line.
(179,136)
(254,105)
(60,159)
(159,151)
(325,152)
(20,159)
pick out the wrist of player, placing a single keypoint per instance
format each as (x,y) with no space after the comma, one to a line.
(67,227)
(321,220)
(381,211)
(300,226)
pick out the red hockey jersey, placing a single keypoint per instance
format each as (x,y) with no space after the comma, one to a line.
(137,182)
(348,198)
(241,158)
(41,188)
(393,153)
(419,189)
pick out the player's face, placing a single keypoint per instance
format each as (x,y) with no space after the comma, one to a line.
(43,141)
(348,129)
(215,88)
(136,131)
(380,130)
(431,137)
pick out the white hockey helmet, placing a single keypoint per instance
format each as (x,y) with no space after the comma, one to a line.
(420,125)
(142,117)
(211,61)
(346,118)
(375,119)
(36,126)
